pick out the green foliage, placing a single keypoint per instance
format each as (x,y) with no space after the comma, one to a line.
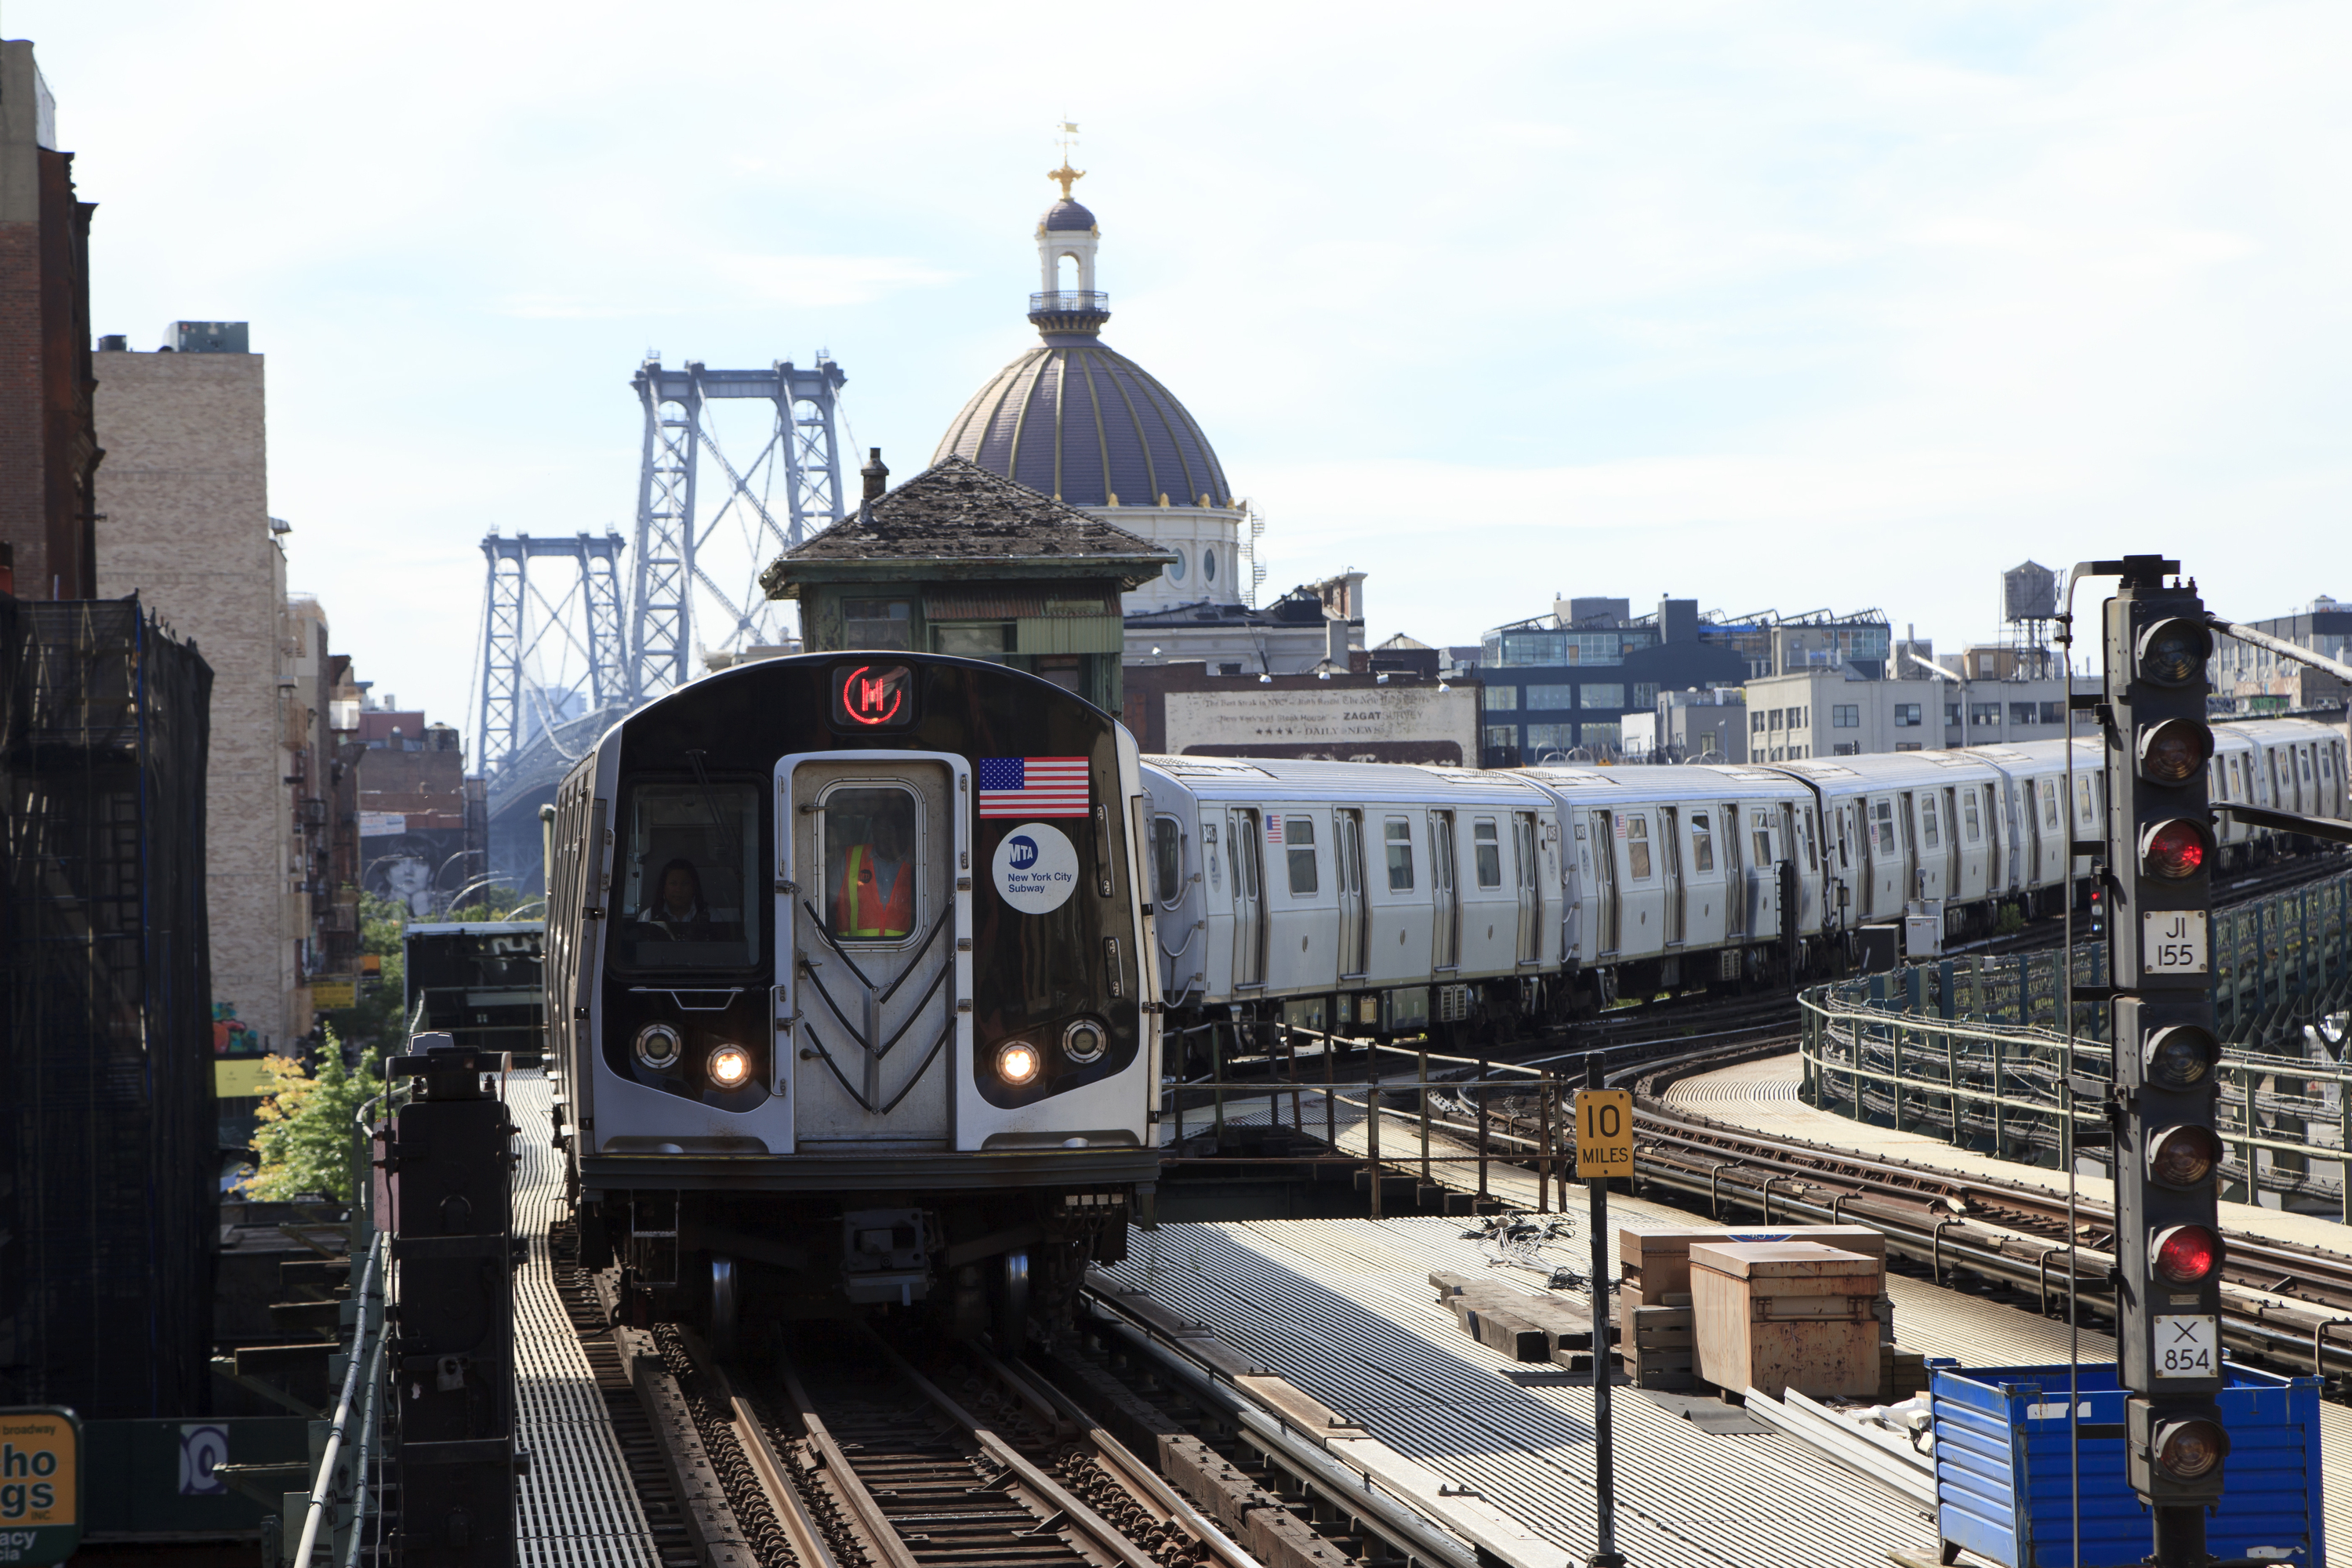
(377,1022)
(2011,919)
(304,1136)
(492,903)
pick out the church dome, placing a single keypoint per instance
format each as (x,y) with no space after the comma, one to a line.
(1088,425)
(1066,214)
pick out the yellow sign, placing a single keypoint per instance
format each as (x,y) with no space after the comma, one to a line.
(1604,1133)
(240,1078)
(333,996)
(40,1491)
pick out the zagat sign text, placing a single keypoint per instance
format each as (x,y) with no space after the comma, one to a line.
(874,697)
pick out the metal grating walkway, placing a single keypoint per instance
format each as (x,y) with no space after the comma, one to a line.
(576,1508)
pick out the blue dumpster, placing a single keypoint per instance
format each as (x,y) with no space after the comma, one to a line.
(2003,1488)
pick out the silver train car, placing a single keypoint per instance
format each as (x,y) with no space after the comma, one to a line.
(850,996)
(1550,892)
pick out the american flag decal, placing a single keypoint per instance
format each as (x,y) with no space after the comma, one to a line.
(1032,786)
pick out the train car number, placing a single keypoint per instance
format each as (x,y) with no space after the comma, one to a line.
(2173,941)
(2187,1346)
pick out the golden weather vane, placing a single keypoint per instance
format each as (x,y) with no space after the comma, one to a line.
(1066,173)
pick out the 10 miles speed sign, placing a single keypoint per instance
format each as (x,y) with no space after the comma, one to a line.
(1604,1133)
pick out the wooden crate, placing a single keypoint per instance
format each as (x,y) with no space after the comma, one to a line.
(1657,1263)
(1658,1348)
(1777,1315)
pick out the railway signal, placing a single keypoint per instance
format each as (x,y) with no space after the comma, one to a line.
(2159,852)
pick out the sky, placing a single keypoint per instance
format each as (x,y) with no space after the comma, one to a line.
(1787,305)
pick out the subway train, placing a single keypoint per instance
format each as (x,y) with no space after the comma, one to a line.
(1386,898)
(850,998)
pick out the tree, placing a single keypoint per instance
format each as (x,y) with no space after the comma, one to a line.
(304,1137)
(378,1019)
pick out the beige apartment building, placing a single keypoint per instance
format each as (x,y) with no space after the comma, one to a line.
(185,523)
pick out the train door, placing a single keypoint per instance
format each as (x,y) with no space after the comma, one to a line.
(2306,799)
(2270,776)
(1670,830)
(868,926)
(1735,874)
(1245,842)
(1951,844)
(1348,832)
(1604,881)
(1526,864)
(1763,918)
(1914,864)
(1445,930)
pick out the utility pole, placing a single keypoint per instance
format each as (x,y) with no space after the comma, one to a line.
(1605,1143)
(2158,852)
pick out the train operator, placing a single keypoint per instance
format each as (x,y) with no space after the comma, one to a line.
(875,898)
(677,911)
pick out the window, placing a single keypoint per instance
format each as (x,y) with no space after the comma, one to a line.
(1167,858)
(1845,716)
(869,855)
(1542,738)
(877,622)
(1503,735)
(2048,802)
(2024,712)
(1702,843)
(1553,698)
(973,639)
(1490,848)
(1929,835)
(1209,564)
(1599,735)
(1907,716)
(1984,714)
(1882,826)
(1772,720)
(1298,846)
(1755,722)
(1969,822)
(1399,834)
(1805,832)
(2053,713)
(1952,714)
(1502,699)
(1176,568)
(1908,746)
(1637,846)
(1645,694)
(687,855)
(1763,839)
(1610,695)
(1846,748)
(1800,717)
(2082,799)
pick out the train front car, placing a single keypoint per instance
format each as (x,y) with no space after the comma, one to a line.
(843,966)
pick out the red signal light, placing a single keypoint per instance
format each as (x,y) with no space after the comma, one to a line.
(2187,1450)
(2176,848)
(2187,1255)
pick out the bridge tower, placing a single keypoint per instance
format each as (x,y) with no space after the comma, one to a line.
(545,654)
(695,579)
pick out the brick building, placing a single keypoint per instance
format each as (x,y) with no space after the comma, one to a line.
(48,441)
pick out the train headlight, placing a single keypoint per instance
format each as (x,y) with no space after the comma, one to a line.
(659,1047)
(1017,1062)
(728,1066)
(1085,1041)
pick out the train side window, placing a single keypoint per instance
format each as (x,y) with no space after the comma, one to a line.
(1882,818)
(2302,762)
(2048,802)
(687,856)
(871,855)
(1971,823)
(1167,858)
(1805,828)
(1763,837)
(1930,830)
(2082,799)
(1298,842)
(1702,843)
(1486,838)
(1398,836)
(1637,846)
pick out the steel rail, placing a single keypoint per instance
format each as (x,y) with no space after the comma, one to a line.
(1411,1534)
(871,1521)
(1102,1532)
(1139,1476)
(783,1497)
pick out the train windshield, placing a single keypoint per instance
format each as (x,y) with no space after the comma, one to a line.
(687,856)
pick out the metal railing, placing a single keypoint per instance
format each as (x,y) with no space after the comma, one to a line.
(1088,301)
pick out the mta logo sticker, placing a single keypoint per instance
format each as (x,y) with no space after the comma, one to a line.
(1035,868)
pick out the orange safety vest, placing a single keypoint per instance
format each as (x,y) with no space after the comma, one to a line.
(860,909)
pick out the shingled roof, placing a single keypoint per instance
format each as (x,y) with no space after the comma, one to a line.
(957,511)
